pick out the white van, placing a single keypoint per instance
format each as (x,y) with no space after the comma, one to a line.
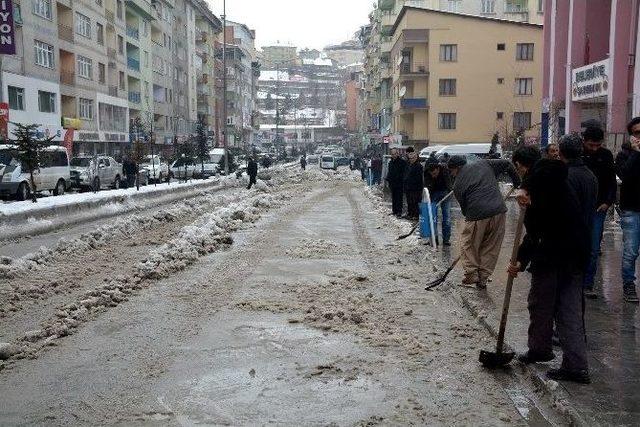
(426,152)
(53,174)
(328,161)
(468,150)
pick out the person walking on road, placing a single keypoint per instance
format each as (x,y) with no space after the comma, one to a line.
(557,249)
(628,169)
(413,184)
(129,170)
(395,179)
(438,181)
(303,162)
(376,169)
(477,190)
(252,171)
(600,161)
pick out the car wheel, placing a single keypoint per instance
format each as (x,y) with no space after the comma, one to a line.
(96,185)
(60,188)
(24,192)
(116,183)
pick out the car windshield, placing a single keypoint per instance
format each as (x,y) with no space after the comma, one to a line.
(327,159)
(81,162)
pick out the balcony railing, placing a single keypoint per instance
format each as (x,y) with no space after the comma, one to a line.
(411,103)
(65,32)
(133,33)
(68,78)
(133,64)
(418,69)
(135,97)
(113,90)
(516,7)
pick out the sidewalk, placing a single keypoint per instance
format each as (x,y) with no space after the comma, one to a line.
(613,330)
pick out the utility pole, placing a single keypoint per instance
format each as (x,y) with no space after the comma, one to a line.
(224,85)
(277,105)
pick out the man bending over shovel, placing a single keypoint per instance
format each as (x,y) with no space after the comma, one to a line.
(557,249)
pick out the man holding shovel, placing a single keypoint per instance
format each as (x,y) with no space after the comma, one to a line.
(477,190)
(557,248)
(438,182)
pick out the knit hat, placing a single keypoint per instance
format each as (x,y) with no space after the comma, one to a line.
(457,162)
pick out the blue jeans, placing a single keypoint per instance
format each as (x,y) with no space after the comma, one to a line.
(630,222)
(597,227)
(445,207)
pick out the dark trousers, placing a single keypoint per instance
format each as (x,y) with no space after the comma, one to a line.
(413,203)
(556,294)
(252,180)
(397,198)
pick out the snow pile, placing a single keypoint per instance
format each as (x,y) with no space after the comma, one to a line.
(312,248)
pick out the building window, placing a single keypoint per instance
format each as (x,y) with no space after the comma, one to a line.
(448,52)
(489,6)
(111,117)
(16,98)
(85,67)
(500,80)
(119,9)
(102,73)
(540,6)
(120,45)
(521,121)
(499,115)
(83,25)
(453,5)
(100,33)
(122,80)
(99,3)
(17,14)
(447,121)
(46,102)
(145,28)
(447,87)
(86,109)
(524,86)
(42,8)
(501,46)
(44,54)
(524,51)
(146,59)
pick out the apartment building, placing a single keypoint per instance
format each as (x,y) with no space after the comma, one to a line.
(461,78)
(377,41)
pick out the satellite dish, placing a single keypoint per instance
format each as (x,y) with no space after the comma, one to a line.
(403,91)
(399,61)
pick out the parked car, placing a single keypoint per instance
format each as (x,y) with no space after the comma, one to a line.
(211,164)
(155,168)
(312,159)
(53,173)
(183,168)
(426,152)
(95,173)
(478,150)
(328,161)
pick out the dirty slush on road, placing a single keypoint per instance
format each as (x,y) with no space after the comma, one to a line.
(290,304)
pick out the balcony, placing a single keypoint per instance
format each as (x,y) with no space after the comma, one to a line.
(113,90)
(516,7)
(201,37)
(133,33)
(417,69)
(133,64)
(203,79)
(135,97)
(386,4)
(413,103)
(65,32)
(68,78)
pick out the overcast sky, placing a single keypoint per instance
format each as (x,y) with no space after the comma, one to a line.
(303,23)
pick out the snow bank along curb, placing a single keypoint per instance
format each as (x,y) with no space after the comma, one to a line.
(560,399)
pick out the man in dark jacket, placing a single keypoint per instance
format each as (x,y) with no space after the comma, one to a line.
(303,162)
(557,247)
(252,171)
(600,161)
(395,178)
(477,190)
(413,184)
(628,169)
(129,170)
(438,181)
(376,169)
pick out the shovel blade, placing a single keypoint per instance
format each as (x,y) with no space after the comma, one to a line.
(493,360)
(435,283)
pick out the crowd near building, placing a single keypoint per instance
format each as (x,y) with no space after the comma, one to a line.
(100,74)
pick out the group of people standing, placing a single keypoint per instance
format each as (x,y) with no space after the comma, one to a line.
(567,190)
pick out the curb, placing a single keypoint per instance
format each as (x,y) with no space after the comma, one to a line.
(560,398)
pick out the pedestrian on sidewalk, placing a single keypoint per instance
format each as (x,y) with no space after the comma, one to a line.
(303,162)
(557,248)
(413,184)
(437,180)
(376,169)
(628,169)
(477,190)
(600,161)
(395,178)
(252,171)
(129,170)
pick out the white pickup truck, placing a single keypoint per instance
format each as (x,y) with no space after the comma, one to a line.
(95,173)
